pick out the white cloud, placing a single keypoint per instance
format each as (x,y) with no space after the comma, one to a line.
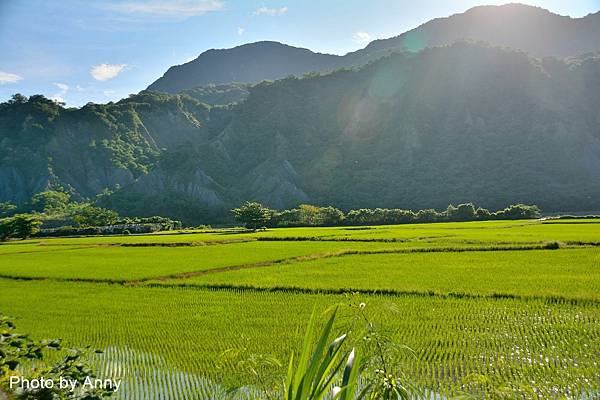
(240,31)
(361,37)
(175,9)
(63,88)
(108,93)
(104,72)
(6,77)
(271,11)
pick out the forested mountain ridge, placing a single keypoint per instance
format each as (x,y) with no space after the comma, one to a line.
(95,147)
(450,124)
(532,29)
(248,63)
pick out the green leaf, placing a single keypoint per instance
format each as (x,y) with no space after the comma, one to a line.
(350,377)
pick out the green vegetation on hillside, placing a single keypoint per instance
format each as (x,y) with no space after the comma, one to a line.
(531,29)
(516,130)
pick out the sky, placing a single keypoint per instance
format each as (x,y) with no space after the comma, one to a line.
(78,51)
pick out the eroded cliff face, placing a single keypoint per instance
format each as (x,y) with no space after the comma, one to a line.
(94,148)
(193,184)
(275,183)
(18,184)
(453,124)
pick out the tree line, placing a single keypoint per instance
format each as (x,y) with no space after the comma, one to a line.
(53,213)
(254,215)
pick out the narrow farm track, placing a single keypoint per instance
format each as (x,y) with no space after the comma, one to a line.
(186,279)
(347,239)
(65,248)
(342,253)
(385,293)
(184,244)
(287,260)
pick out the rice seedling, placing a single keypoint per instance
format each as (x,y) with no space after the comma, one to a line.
(489,310)
(569,273)
(549,347)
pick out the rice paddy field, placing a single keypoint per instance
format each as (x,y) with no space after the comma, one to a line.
(512,307)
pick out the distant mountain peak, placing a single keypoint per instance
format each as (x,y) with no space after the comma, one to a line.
(532,29)
(593,16)
(520,7)
(516,10)
(247,63)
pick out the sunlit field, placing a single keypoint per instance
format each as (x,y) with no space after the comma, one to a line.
(511,305)
(299,200)
(573,273)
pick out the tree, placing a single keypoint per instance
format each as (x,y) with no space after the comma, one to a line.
(5,229)
(252,214)
(285,218)
(450,212)
(17,98)
(89,215)
(20,226)
(483,214)
(309,215)
(25,225)
(331,216)
(7,208)
(427,216)
(49,201)
(465,212)
(364,216)
(519,211)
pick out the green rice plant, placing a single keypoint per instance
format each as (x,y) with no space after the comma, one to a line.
(178,334)
(319,365)
(550,274)
(121,264)
(522,323)
(322,366)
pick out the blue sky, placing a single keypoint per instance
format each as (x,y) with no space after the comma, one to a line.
(91,50)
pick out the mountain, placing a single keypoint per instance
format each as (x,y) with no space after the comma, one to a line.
(216,95)
(249,63)
(465,122)
(447,125)
(531,29)
(96,147)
